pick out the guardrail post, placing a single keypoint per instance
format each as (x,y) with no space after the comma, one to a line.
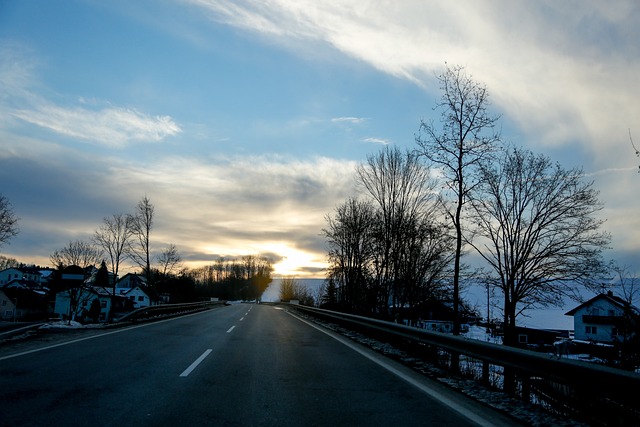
(526,388)
(485,372)
(455,362)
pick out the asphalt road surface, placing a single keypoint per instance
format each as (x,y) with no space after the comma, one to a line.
(242,365)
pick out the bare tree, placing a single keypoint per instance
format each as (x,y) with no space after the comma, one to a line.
(350,240)
(292,289)
(8,221)
(464,140)
(404,196)
(628,335)
(540,232)
(113,237)
(78,252)
(139,249)
(287,288)
(6,262)
(634,147)
(169,260)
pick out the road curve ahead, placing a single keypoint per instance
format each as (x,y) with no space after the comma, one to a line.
(242,365)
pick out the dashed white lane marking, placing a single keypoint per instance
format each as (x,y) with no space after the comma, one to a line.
(241,319)
(195,364)
(231,328)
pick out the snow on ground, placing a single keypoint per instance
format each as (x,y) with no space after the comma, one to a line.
(64,324)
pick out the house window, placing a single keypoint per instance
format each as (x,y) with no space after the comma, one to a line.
(612,313)
(140,298)
(4,302)
(103,304)
(592,329)
(8,313)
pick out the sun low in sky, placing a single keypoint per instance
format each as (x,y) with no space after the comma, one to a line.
(243,121)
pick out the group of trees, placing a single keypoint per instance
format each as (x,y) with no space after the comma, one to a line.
(127,237)
(388,250)
(122,237)
(402,239)
(291,289)
(245,278)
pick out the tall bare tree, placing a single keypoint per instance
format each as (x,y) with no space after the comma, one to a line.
(113,237)
(463,140)
(8,221)
(81,253)
(540,232)
(139,249)
(169,260)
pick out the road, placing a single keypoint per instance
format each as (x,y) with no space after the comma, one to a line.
(242,365)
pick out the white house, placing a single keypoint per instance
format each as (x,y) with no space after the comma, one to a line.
(21,273)
(601,319)
(84,297)
(137,295)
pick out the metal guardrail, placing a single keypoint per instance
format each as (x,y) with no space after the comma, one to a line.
(10,332)
(598,394)
(162,309)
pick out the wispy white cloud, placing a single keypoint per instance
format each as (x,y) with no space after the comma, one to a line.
(113,126)
(380,141)
(353,120)
(564,73)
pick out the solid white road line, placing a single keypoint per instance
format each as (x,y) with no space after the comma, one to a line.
(461,409)
(195,364)
(231,328)
(98,335)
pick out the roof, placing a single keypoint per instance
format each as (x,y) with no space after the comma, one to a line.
(24,269)
(615,300)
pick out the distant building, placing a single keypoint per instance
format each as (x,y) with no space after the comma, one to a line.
(134,287)
(22,304)
(131,280)
(602,318)
(22,273)
(83,298)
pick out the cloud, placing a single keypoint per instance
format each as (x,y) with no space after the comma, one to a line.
(563,74)
(110,126)
(113,126)
(380,141)
(563,77)
(352,120)
(208,206)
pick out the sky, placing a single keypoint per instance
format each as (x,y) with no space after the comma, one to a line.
(243,121)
